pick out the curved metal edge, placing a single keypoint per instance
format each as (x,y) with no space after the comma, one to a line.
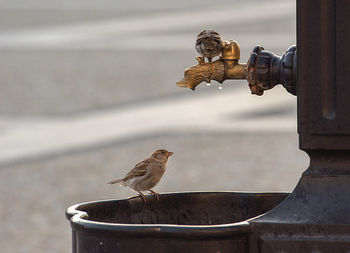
(78,223)
(160,230)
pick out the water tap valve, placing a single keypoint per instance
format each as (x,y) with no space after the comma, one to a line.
(266,70)
(263,71)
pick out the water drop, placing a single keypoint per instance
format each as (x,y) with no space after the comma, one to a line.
(208,84)
(220,87)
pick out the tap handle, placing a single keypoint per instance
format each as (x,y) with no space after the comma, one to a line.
(203,72)
(266,70)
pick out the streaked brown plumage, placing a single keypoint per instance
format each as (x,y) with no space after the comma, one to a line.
(146,174)
(209,44)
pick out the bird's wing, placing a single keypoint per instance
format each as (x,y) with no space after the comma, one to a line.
(139,170)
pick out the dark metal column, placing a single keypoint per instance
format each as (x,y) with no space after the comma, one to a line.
(316,216)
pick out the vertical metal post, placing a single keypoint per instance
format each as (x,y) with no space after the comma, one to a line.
(316,216)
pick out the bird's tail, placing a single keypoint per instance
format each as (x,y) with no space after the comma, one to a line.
(115,181)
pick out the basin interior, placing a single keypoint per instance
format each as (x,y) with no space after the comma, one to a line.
(201,208)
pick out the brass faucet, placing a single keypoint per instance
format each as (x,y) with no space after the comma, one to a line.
(263,71)
(226,67)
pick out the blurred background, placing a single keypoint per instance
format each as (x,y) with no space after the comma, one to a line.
(87,89)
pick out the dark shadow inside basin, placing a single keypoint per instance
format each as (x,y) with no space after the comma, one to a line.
(194,208)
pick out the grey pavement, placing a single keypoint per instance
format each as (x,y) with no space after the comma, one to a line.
(70,67)
(88,89)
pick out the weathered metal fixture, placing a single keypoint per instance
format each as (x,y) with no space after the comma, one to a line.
(180,222)
(315,217)
(263,71)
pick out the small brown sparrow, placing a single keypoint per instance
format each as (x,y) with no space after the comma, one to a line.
(209,44)
(146,174)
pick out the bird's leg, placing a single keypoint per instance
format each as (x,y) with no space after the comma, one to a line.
(155,194)
(142,196)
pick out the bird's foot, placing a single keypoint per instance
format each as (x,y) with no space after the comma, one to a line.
(155,194)
(142,196)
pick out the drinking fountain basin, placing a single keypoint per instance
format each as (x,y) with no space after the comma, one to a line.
(178,222)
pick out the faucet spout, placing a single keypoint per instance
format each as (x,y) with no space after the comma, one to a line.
(226,67)
(202,72)
(263,71)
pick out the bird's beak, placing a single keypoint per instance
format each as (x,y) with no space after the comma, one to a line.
(170,153)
